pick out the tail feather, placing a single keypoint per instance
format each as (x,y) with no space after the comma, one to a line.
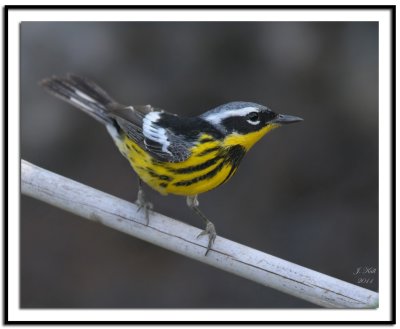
(81,93)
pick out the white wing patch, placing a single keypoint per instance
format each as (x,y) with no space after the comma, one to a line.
(216,118)
(152,131)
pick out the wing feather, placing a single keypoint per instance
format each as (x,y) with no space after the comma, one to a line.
(140,123)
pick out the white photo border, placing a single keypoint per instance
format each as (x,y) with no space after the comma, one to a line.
(383,14)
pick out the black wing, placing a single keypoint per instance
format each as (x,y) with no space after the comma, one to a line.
(143,125)
(140,123)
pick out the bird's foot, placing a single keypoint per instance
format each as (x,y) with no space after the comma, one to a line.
(212,234)
(144,205)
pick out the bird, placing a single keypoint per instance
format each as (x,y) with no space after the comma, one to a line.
(172,154)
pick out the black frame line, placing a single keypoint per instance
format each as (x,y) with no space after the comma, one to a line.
(391,8)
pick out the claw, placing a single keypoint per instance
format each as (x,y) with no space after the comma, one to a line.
(146,207)
(143,205)
(212,234)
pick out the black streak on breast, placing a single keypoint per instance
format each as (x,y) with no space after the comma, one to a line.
(233,157)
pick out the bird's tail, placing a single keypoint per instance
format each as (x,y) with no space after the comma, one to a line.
(81,93)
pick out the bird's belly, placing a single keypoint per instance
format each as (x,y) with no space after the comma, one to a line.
(200,182)
(193,176)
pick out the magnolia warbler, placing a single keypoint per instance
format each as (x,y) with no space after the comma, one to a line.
(172,154)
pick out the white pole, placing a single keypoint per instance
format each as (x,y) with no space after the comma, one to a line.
(179,237)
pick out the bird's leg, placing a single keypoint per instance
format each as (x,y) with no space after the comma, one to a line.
(193,204)
(142,203)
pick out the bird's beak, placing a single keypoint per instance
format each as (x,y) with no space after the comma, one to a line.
(284,119)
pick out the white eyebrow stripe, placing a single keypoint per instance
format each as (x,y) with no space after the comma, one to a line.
(216,118)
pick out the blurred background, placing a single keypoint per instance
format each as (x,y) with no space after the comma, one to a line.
(307,193)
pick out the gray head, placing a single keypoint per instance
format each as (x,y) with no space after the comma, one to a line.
(245,117)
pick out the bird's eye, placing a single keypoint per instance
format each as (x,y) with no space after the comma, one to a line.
(253,118)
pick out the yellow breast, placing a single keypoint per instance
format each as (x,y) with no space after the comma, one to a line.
(208,166)
(248,140)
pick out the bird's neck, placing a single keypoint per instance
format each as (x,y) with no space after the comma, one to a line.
(247,140)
